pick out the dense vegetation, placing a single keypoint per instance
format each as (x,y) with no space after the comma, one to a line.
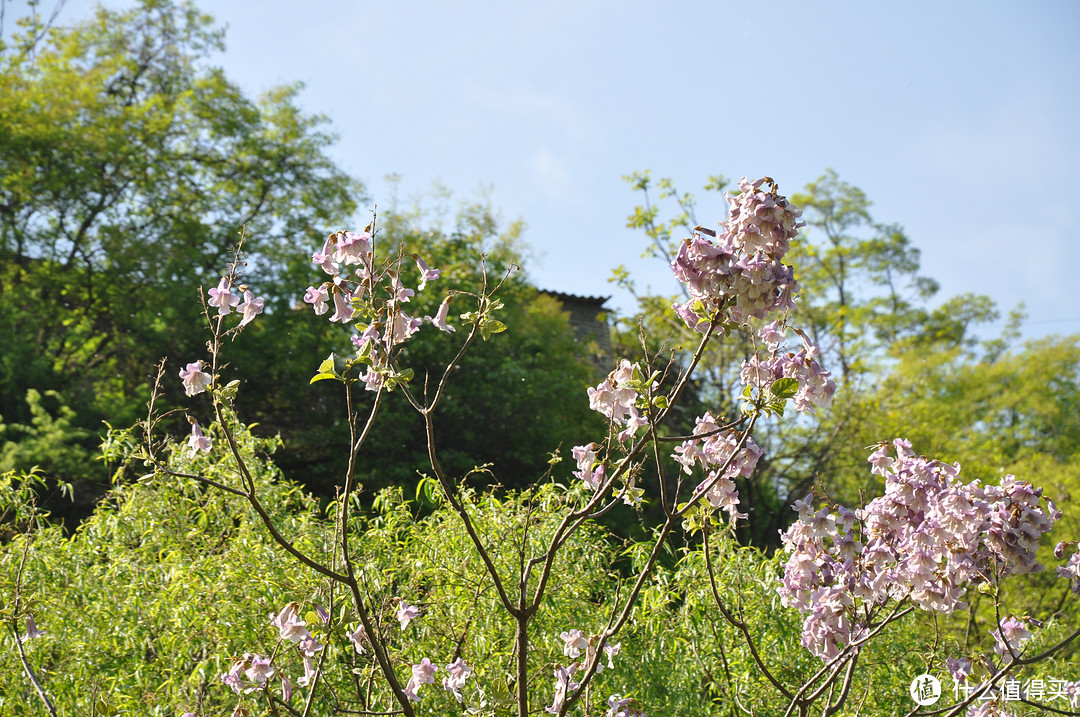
(122,199)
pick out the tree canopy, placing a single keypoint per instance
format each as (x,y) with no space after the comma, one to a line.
(884,336)
(129,166)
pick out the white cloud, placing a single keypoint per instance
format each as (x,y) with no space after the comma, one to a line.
(551,175)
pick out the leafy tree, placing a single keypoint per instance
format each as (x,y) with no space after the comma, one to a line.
(511,403)
(128,163)
(862,300)
(120,198)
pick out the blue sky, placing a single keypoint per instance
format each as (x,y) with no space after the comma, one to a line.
(959,120)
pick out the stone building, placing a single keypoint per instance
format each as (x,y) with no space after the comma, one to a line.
(588,319)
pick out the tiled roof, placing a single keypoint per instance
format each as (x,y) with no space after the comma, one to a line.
(598,301)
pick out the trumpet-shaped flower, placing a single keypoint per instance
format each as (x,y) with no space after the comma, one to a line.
(260,671)
(352,248)
(406,613)
(563,685)
(343,311)
(574,643)
(358,638)
(455,680)
(251,307)
(1011,636)
(590,473)
(402,326)
(286,689)
(439,320)
(290,626)
(309,645)
(231,679)
(401,294)
(195,379)
(422,674)
(610,650)
(1071,572)
(426,274)
(309,673)
(319,298)
(197,441)
(223,298)
(622,707)
(325,257)
(32,631)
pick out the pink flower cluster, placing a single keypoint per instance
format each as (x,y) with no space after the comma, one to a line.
(1071,570)
(741,274)
(424,674)
(259,671)
(816,388)
(925,540)
(196,380)
(256,668)
(717,450)
(1011,637)
(617,397)
(389,324)
(292,628)
(224,300)
(622,707)
(590,469)
(574,644)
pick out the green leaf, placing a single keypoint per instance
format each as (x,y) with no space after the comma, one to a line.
(784,388)
(428,491)
(327,366)
(321,377)
(491,326)
(364,354)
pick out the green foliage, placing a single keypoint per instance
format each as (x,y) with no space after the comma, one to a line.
(512,398)
(862,301)
(50,442)
(144,608)
(127,165)
(146,603)
(120,200)
(154,596)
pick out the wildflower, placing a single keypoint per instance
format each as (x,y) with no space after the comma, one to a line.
(197,441)
(195,379)
(251,307)
(422,674)
(454,681)
(406,613)
(223,298)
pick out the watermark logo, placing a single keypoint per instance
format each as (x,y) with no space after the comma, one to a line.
(925,690)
